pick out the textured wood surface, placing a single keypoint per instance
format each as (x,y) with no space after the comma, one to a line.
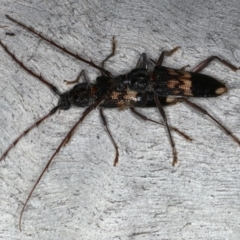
(82,196)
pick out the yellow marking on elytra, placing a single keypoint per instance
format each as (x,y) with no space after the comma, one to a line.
(173,83)
(183,84)
(186,87)
(221,90)
(124,100)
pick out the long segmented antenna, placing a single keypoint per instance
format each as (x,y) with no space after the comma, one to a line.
(75,55)
(36,124)
(66,139)
(43,80)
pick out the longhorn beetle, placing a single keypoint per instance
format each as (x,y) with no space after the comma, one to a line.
(140,87)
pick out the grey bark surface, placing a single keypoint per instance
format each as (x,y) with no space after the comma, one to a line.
(82,196)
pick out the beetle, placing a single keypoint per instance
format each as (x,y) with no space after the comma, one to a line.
(140,87)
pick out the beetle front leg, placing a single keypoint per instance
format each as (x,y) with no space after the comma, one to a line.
(111,54)
(82,73)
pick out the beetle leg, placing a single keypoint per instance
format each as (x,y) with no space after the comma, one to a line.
(194,105)
(206,62)
(111,137)
(166,53)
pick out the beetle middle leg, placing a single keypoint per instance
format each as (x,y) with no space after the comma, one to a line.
(162,112)
(145,118)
